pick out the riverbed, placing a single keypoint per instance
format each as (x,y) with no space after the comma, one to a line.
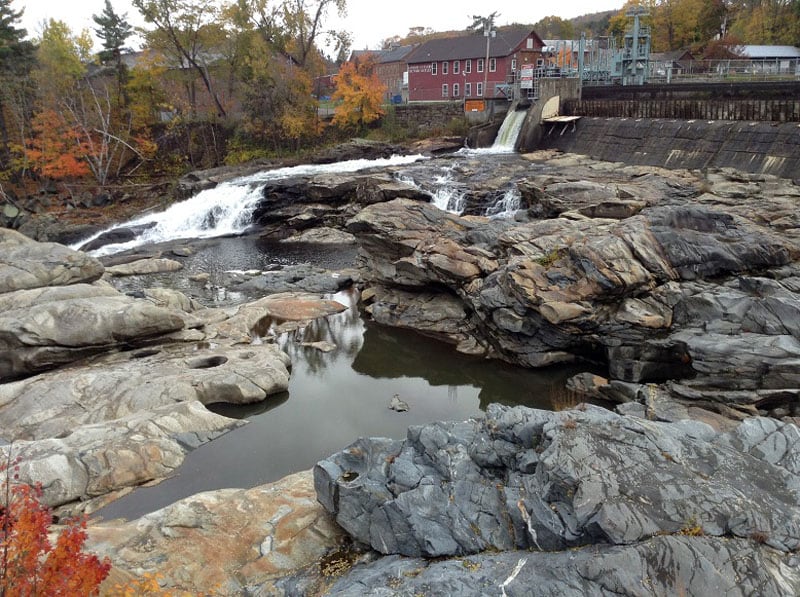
(333,397)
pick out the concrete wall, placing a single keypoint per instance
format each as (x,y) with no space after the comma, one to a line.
(759,147)
(713,91)
(531,133)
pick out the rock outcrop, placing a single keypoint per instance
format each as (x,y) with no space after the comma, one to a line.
(94,460)
(236,541)
(26,264)
(118,385)
(527,479)
(527,502)
(674,565)
(103,391)
(701,291)
(44,328)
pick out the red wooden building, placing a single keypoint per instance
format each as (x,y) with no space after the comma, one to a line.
(457,68)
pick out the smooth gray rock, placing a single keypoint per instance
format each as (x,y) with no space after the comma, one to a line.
(96,459)
(44,328)
(110,387)
(25,264)
(144,267)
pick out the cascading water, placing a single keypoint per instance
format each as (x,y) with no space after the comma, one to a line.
(446,193)
(509,131)
(507,206)
(227,208)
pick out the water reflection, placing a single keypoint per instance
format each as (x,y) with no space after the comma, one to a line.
(397,354)
(335,397)
(344,330)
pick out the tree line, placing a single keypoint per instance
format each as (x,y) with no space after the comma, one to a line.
(697,25)
(251,70)
(247,67)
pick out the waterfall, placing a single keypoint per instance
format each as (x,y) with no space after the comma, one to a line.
(227,208)
(507,206)
(446,193)
(509,131)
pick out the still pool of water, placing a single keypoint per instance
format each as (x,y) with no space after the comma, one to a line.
(336,397)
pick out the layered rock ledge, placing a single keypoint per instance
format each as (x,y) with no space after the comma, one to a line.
(575,502)
(696,287)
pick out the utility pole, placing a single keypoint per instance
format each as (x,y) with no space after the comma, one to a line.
(487,24)
(488,33)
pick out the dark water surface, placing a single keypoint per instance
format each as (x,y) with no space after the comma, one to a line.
(336,397)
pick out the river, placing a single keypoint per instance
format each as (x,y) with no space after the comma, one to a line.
(334,397)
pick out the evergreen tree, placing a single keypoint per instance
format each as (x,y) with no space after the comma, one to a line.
(114,30)
(17,58)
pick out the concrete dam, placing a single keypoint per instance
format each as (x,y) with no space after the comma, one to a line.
(755,147)
(759,133)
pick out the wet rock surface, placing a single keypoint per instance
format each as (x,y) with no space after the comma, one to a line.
(298,278)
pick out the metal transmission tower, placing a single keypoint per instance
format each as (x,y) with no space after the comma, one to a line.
(635,54)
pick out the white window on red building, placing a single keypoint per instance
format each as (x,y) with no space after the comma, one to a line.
(480,65)
(479,89)
(492,65)
(467,89)
(455,90)
(444,90)
(456,66)
(468,66)
(444,67)
(529,44)
(433,68)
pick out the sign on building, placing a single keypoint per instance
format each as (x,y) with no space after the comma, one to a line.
(526,76)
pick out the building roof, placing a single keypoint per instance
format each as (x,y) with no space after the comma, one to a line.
(395,54)
(769,51)
(473,45)
(363,54)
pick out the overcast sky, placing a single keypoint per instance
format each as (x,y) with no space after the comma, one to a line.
(370,21)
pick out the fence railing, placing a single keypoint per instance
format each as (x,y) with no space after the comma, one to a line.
(778,110)
(767,69)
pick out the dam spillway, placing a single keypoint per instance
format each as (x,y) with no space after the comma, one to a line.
(755,147)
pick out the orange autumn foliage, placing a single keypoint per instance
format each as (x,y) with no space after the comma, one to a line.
(56,149)
(30,564)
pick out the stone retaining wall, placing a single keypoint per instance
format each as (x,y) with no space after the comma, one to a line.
(433,116)
(760,147)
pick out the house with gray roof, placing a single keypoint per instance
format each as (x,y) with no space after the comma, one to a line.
(771,59)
